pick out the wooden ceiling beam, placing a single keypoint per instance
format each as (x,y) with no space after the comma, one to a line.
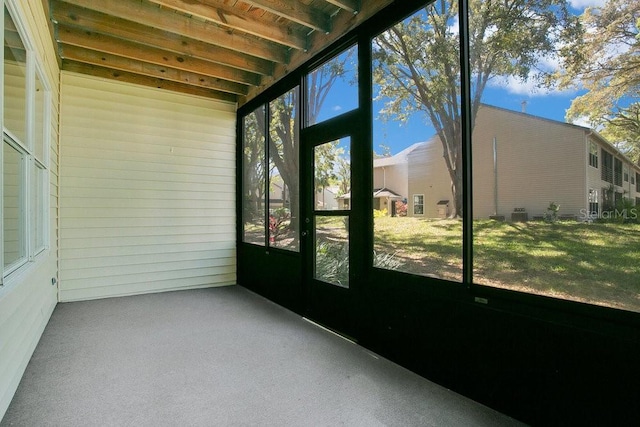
(108,44)
(222,14)
(72,16)
(107,60)
(318,41)
(152,16)
(352,6)
(138,79)
(295,11)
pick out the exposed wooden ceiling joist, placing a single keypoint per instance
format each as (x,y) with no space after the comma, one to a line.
(92,57)
(140,79)
(296,11)
(317,42)
(224,49)
(88,20)
(352,6)
(151,15)
(223,15)
(152,55)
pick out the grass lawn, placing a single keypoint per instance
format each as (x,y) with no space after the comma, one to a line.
(597,263)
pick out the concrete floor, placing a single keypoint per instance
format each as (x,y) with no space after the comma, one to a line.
(220,356)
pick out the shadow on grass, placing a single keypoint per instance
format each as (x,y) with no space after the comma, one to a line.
(595,263)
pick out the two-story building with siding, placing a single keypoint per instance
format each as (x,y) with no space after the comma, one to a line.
(522,163)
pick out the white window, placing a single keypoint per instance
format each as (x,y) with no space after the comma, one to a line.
(418,204)
(593,154)
(13,190)
(25,125)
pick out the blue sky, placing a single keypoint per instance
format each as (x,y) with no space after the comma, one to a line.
(398,135)
(505,93)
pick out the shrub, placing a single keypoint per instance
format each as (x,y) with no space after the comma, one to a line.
(332,263)
(386,261)
(551,215)
(379,213)
(626,211)
(279,220)
(401,208)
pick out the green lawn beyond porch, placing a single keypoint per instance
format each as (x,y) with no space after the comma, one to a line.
(597,263)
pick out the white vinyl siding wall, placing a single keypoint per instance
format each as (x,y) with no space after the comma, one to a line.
(148,190)
(27,297)
(429,176)
(538,162)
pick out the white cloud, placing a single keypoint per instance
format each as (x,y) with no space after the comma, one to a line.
(529,87)
(582,121)
(583,4)
(337,108)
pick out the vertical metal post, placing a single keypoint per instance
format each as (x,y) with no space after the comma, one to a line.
(467,127)
(495,175)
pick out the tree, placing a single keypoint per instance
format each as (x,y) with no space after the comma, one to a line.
(343,172)
(606,62)
(417,62)
(325,158)
(386,152)
(254,168)
(623,129)
(284,131)
(284,127)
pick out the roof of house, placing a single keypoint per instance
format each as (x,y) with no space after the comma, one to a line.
(385,192)
(397,158)
(401,157)
(588,131)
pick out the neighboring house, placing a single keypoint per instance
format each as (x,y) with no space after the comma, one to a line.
(523,163)
(391,179)
(327,199)
(278,192)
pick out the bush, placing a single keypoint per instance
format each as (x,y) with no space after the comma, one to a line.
(401,208)
(551,215)
(279,220)
(379,213)
(332,263)
(626,212)
(386,261)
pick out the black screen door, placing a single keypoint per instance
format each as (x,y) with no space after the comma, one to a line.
(327,227)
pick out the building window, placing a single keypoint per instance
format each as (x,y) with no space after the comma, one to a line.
(625,173)
(418,204)
(593,203)
(638,182)
(593,154)
(617,172)
(607,166)
(13,190)
(26,123)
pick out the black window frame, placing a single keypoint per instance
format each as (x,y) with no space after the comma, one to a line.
(503,299)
